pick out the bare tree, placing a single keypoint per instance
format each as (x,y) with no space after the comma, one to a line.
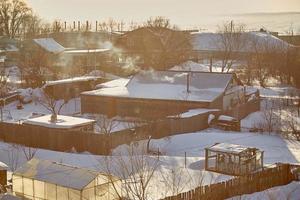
(229,41)
(13,156)
(158,22)
(29,152)
(51,104)
(106,126)
(136,170)
(13,13)
(269,120)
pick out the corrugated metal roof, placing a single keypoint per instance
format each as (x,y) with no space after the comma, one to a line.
(55,173)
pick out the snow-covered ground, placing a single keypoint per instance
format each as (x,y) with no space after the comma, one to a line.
(172,162)
(289,192)
(276,149)
(12,114)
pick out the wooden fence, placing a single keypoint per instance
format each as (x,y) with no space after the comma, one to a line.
(65,140)
(282,174)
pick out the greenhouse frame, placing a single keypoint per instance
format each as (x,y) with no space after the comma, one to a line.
(232,159)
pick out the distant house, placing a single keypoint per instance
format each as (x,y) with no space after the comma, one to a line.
(43,179)
(155,47)
(62,123)
(42,51)
(9,51)
(85,49)
(233,159)
(164,93)
(212,45)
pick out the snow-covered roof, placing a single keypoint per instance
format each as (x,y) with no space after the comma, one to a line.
(250,42)
(3,166)
(50,45)
(71,80)
(83,51)
(55,173)
(121,82)
(170,85)
(229,148)
(63,122)
(191,66)
(11,48)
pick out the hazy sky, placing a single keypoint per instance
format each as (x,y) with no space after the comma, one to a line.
(183,12)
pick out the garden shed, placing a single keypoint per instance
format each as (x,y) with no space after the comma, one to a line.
(233,159)
(43,179)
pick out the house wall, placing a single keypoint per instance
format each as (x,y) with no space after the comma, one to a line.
(145,108)
(3,177)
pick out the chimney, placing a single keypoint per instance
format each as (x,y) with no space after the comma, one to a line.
(188,82)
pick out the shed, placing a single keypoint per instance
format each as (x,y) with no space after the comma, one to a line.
(233,159)
(43,179)
(62,122)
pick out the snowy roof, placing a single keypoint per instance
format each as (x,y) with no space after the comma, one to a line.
(71,80)
(250,42)
(63,122)
(82,51)
(190,66)
(11,48)
(121,82)
(3,166)
(55,173)
(229,148)
(49,44)
(170,85)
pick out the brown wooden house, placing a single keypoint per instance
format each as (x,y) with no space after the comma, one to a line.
(155,94)
(155,47)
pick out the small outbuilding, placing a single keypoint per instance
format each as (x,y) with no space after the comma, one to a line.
(62,122)
(233,159)
(43,179)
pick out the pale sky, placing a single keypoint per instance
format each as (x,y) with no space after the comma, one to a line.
(183,12)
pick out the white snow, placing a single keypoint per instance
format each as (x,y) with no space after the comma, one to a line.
(63,122)
(276,149)
(71,80)
(290,191)
(251,42)
(229,148)
(226,118)
(85,51)
(49,44)
(204,87)
(195,112)
(12,114)
(121,82)
(191,66)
